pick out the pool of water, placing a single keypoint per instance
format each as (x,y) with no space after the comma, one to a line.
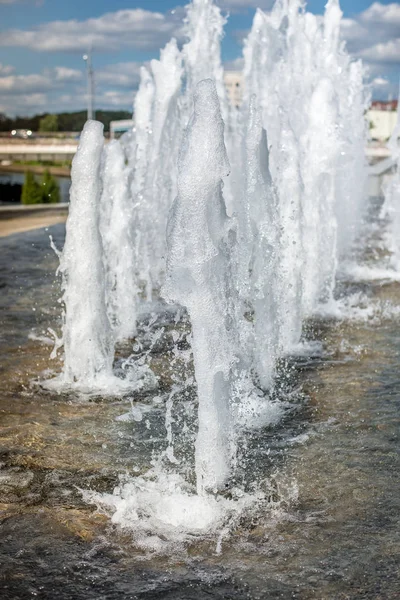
(18,178)
(328,526)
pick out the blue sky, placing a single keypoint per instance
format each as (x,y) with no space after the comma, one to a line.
(42,42)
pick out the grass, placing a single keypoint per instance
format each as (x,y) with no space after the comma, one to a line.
(43,163)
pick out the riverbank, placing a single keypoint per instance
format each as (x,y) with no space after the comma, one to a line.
(17,219)
(37,169)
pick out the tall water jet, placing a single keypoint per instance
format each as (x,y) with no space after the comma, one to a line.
(87,335)
(117,231)
(143,107)
(351,175)
(391,207)
(204,28)
(261,202)
(198,240)
(158,136)
(312,102)
(351,100)
(290,185)
(202,53)
(319,169)
(166,138)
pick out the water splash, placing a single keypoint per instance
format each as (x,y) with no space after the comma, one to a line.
(197,268)
(87,334)
(117,234)
(391,206)
(250,256)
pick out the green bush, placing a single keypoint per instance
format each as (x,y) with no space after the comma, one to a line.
(47,192)
(48,124)
(50,189)
(31,190)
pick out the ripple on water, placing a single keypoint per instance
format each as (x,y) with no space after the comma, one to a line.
(321,522)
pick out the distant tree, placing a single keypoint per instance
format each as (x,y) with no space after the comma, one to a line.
(65,121)
(50,189)
(31,190)
(48,123)
(5,123)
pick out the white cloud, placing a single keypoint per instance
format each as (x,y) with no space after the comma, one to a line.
(136,28)
(379,82)
(240,5)
(6,69)
(48,80)
(36,2)
(66,74)
(353,32)
(234,65)
(36,83)
(385,53)
(61,88)
(125,75)
(388,14)
(373,32)
(115,99)
(24,84)
(374,36)
(30,103)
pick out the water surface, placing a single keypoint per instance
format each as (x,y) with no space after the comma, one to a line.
(331,466)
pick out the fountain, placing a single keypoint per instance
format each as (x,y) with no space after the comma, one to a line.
(116,228)
(199,239)
(97,276)
(249,256)
(87,334)
(390,207)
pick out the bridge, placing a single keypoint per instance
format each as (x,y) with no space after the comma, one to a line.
(40,150)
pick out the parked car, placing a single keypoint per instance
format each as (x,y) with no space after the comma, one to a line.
(22,133)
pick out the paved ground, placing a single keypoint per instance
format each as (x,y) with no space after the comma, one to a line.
(20,218)
(20,224)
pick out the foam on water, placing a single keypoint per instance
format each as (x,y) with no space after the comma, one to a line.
(359,307)
(359,272)
(163,510)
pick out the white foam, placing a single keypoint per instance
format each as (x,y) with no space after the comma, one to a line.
(359,272)
(136,380)
(360,307)
(253,411)
(161,509)
(43,339)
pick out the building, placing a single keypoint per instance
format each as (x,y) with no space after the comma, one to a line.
(117,128)
(234,86)
(382,118)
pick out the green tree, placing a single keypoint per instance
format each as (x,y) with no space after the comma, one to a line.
(31,190)
(50,189)
(48,123)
